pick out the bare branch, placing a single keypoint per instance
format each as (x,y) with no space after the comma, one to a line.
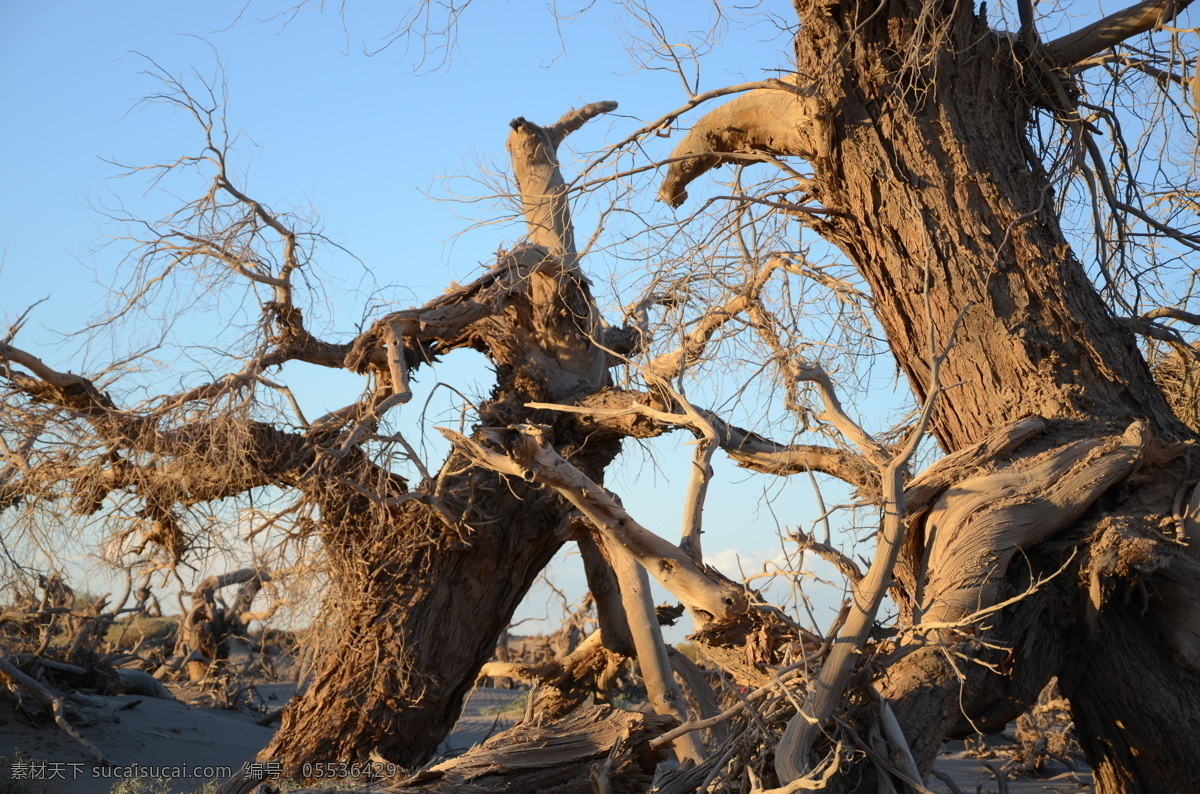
(1172,313)
(1113,30)
(1026,33)
(791,757)
(572,120)
(63,388)
(534,153)
(661,688)
(693,505)
(846,566)
(668,366)
(871,449)
(626,411)
(709,596)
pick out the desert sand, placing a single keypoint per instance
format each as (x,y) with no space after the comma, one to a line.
(173,748)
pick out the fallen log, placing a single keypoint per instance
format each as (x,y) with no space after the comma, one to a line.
(560,757)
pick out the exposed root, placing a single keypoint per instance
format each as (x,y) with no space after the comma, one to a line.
(980,523)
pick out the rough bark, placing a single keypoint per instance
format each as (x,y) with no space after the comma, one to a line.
(414,603)
(929,186)
(940,203)
(913,118)
(412,583)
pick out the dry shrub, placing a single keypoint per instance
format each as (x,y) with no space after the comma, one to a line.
(1045,732)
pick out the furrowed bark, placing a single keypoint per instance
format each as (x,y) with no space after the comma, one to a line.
(933,192)
(934,241)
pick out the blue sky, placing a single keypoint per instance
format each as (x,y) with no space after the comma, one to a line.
(363,142)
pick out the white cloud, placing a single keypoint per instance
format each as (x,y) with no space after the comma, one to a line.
(751,562)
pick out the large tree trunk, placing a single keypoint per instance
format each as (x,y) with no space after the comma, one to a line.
(919,151)
(1134,682)
(914,119)
(935,190)
(422,609)
(424,586)
(420,599)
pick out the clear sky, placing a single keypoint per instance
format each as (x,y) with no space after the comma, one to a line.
(363,141)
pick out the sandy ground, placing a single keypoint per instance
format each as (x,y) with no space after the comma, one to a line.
(486,713)
(162,740)
(176,749)
(972,776)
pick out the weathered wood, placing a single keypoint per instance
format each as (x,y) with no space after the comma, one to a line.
(564,682)
(664,693)
(980,523)
(931,189)
(53,703)
(557,757)
(773,121)
(416,572)
(206,629)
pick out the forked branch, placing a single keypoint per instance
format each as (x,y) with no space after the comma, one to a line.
(824,693)
(707,594)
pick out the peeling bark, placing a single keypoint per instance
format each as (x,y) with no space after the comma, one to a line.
(980,523)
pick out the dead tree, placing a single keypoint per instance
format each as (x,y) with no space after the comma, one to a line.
(927,181)
(916,122)
(208,628)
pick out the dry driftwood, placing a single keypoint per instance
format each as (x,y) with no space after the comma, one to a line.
(558,757)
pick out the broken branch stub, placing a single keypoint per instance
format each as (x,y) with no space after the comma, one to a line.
(566,326)
(534,153)
(773,121)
